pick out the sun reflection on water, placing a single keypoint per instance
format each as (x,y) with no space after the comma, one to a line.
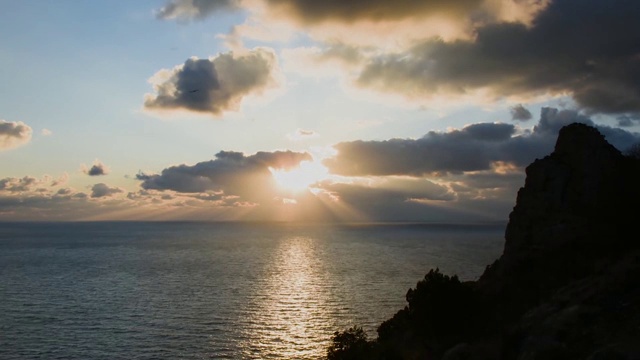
(291,317)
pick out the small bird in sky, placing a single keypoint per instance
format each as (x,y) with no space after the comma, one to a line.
(192,91)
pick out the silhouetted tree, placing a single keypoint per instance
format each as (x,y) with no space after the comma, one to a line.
(350,344)
(442,312)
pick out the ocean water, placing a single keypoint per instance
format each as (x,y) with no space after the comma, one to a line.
(119,290)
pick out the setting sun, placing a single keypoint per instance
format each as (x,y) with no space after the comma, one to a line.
(300,178)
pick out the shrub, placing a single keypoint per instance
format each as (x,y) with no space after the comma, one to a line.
(442,312)
(350,344)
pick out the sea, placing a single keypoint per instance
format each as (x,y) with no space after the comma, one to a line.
(196,290)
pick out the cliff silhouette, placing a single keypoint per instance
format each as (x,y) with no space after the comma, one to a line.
(567,285)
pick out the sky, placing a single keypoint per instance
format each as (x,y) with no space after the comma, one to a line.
(301,110)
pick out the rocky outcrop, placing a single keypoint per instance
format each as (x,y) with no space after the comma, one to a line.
(574,214)
(568,282)
(585,185)
(567,285)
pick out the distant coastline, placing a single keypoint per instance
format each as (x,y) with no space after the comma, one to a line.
(319,223)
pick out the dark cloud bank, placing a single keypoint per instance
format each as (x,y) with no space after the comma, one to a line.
(589,49)
(474,148)
(483,165)
(312,11)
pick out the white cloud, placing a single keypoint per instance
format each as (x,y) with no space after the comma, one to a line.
(14,134)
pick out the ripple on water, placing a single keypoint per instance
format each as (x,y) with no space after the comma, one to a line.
(199,291)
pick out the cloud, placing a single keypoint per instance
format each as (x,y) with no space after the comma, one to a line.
(231,173)
(434,202)
(28,184)
(493,49)
(473,173)
(627,120)
(25,184)
(194,9)
(378,23)
(467,174)
(61,180)
(562,52)
(310,11)
(30,198)
(403,188)
(97,169)
(259,30)
(552,120)
(476,147)
(64,191)
(330,60)
(472,148)
(520,113)
(46,132)
(214,85)
(14,134)
(307,13)
(101,190)
(301,134)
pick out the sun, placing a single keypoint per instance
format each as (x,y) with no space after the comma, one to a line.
(300,178)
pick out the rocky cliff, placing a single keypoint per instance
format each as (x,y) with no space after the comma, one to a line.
(568,281)
(567,285)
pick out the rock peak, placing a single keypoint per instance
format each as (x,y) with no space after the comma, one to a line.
(571,210)
(581,145)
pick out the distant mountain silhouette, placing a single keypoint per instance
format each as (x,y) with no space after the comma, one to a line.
(567,285)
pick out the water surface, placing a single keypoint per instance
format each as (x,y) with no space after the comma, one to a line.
(214,290)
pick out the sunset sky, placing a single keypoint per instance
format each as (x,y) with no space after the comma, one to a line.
(362,110)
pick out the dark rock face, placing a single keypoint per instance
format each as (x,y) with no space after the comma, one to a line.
(582,186)
(571,249)
(567,285)
(576,208)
